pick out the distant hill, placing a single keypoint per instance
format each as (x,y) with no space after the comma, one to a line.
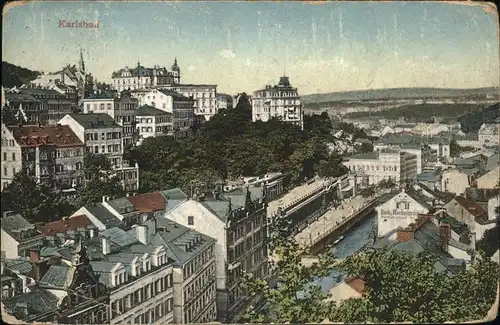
(471,122)
(12,75)
(399,93)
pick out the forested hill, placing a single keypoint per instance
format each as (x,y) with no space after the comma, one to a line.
(399,93)
(471,122)
(12,75)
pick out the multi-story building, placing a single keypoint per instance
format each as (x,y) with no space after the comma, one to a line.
(224,101)
(489,134)
(102,135)
(18,235)
(153,122)
(281,101)
(237,221)
(52,154)
(204,97)
(122,110)
(194,275)
(181,108)
(44,106)
(141,77)
(395,165)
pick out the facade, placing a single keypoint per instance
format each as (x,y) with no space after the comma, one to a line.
(142,77)
(281,101)
(102,135)
(18,235)
(395,165)
(431,129)
(153,122)
(224,101)
(455,181)
(44,106)
(180,106)
(400,211)
(490,180)
(52,154)
(122,110)
(204,98)
(194,276)
(489,135)
(237,221)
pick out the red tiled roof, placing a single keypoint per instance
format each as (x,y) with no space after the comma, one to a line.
(65,224)
(474,208)
(55,135)
(356,283)
(148,202)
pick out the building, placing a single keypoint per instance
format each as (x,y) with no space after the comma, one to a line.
(489,180)
(44,106)
(421,152)
(51,154)
(395,165)
(281,101)
(153,122)
(204,97)
(224,101)
(237,221)
(180,106)
(102,135)
(123,110)
(142,77)
(456,180)
(194,276)
(18,235)
(489,135)
(400,211)
(138,275)
(472,214)
(431,129)
(468,140)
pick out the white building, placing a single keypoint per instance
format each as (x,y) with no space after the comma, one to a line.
(18,235)
(281,101)
(153,122)
(122,110)
(180,106)
(204,97)
(237,221)
(224,101)
(408,148)
(455,181)
(102,135)
(141,77)
(400,211)
(489,135)
(395,165)
(430,129)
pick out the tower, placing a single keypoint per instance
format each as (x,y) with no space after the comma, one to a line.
(176,71)
(81,63)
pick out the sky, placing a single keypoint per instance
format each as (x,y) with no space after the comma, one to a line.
(242,46)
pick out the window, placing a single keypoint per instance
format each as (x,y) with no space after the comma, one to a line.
(5,171)
(4,156)
(13,156)
(190,220)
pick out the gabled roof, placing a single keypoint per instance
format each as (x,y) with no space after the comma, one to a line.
(148,202)
(479,213)
(65,224)
(15,223)
(57,277)
(356,283)
(21,265)
(103,215)
(147,110)
(38,302)
(481,195)
(54,135)
(173,94)
(95,121)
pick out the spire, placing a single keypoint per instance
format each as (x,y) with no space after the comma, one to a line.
(82,63)
(175,66)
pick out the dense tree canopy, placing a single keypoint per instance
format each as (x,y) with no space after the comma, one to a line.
(230,145)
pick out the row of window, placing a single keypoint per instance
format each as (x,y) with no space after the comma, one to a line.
(154,314)
(194,287)
(245,229)
(210,316)
(193,311)
(112,148)
(195,264)
(104,136)
(141,295)
(61,167)
(5,156)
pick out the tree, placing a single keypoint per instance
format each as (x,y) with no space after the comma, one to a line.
(35,202)
(8,116)
(489,243)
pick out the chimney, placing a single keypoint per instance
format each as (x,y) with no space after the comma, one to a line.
(404,235)
(106,245)
(34,255)
(105,198)
(141,233)
(444,235)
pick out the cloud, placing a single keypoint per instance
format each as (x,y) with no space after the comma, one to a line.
(227,54)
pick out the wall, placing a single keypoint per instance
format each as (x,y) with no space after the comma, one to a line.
(458,253)
(489,180)
(9,245)
(492,204)
(481,229)
(390,217)
(75,127)
(454,181)
(9,148)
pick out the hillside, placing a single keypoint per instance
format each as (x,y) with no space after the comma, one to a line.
(399,93)
(422,112)
(471,122)
(12,75)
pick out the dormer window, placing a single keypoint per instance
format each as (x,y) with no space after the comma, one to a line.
(190,220)
(137,270)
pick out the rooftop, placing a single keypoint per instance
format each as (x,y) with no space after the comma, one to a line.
(38,302)
(34,136)
(103,215)
(95,121)
(368,155)
(15,223)
(57,277)
(147,110)
(173,94)
(148,202)
(479,213)
(65,224)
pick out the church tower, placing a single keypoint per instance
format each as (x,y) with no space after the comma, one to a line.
(176,72)
(81,63)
